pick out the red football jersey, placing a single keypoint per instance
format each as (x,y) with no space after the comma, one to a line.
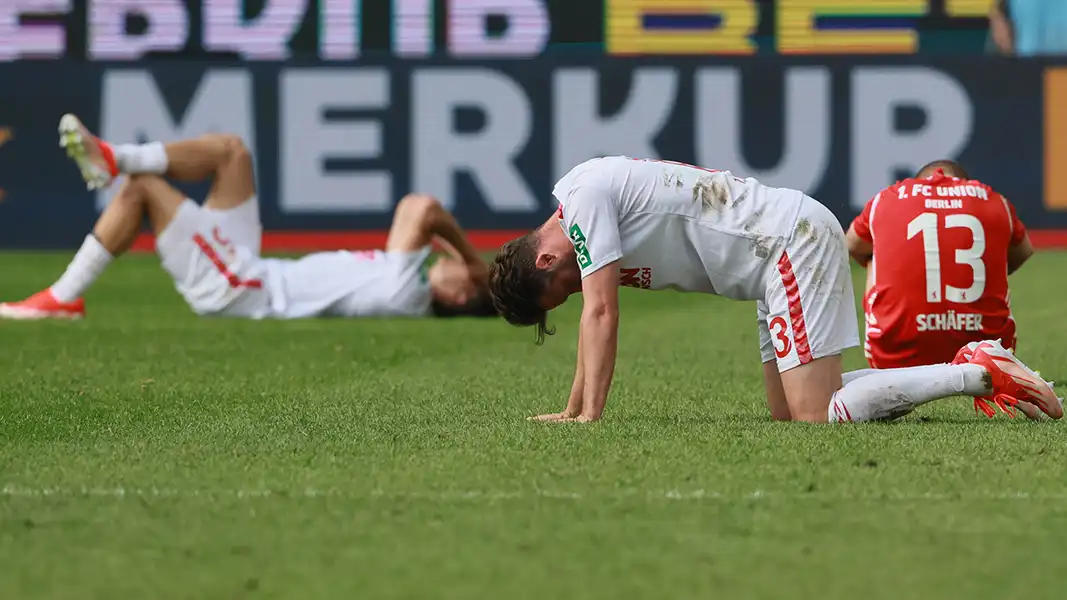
(939,278)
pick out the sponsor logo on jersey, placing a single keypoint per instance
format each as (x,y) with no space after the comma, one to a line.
(636,277)
(949,321)
(578,239)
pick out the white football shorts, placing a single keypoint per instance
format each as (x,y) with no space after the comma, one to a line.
(809,308)
(213,257)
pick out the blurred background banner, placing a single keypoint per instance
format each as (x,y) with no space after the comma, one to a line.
(331,30)
(337,145)
(349,104)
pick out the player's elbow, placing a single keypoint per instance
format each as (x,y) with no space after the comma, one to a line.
(860,250)
(419,208)
(862,258)
(1018,255)
(600,312)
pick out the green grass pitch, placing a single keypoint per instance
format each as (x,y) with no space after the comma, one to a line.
(146,453)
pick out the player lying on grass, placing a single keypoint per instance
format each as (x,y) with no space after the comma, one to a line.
(967,239)
(212,251)
(655,224)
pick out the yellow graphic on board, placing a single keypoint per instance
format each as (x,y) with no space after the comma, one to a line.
(634,27)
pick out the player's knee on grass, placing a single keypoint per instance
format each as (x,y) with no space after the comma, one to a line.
(809,388)
(412,222)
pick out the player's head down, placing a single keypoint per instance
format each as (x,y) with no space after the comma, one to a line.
(455,292)
(532,275)
(950,168)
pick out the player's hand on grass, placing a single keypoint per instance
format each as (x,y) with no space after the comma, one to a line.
(551,417)
(561,417)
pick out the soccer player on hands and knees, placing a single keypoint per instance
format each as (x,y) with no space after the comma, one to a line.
(212,251)
(656,224)
(966,239)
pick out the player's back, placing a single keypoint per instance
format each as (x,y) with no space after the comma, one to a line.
(349,284)
(940,273)
(688,227)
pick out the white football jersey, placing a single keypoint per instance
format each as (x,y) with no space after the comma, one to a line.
(676,226)
(349,284)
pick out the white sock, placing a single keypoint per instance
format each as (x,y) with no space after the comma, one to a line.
(890,393)
(854,375)
(90,261)
(150,158)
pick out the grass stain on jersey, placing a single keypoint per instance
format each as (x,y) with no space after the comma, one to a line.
(712,193)
(753,219)
(818,276)
(761,247)
(805,229)
(673,180)
(739,199)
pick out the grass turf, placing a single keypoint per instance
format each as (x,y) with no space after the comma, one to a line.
(146,453)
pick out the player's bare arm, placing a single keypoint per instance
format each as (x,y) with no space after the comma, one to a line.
(597,348)
(419,221)
(1019,253)
(860,249)
(574,401)
(445,228)
(599,335)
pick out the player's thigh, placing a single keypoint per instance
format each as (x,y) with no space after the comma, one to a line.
(776,401)
(237,227)
(234,180)
(177,243)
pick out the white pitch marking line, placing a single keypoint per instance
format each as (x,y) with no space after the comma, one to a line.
(16,491)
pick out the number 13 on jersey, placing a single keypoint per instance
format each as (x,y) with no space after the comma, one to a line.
(926,225)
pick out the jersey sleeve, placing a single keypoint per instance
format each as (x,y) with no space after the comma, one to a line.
(590,219)
(862,224)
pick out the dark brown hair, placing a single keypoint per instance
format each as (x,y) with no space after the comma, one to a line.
(950,167)
(517,285)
